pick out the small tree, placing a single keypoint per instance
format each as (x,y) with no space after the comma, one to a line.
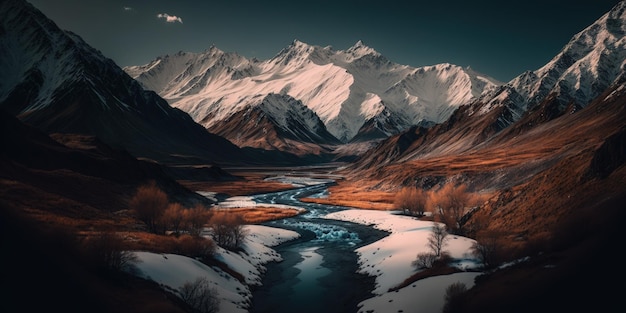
(228,230)
(411,201)
(450,204)
(149,203)
(436,242)
(195,246)
(173,217)
(195,219)
(200,296)
(437,239)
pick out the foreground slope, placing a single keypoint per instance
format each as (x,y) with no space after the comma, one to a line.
(50,194)
(53,80)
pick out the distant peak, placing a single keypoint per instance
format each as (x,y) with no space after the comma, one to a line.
(361,49)
(298,43)
(213,48)
(297,50)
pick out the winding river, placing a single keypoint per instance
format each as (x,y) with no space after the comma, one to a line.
(319,270)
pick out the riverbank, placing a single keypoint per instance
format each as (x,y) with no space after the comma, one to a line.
(390,260)
(339,289)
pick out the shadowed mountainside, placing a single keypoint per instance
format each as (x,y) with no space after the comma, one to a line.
(95,177)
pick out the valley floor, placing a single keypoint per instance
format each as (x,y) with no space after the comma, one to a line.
(388,260)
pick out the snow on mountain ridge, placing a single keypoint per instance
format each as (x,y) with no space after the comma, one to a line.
(339,86)
(38,53)
(590,62)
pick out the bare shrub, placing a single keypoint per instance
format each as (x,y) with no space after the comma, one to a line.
(195,246)
(424,260)
(196,219)
(453,297)
(411,201)
(486,249)
(450,204)
(173,217)
(436,242)
(200,296)
(443,260)
(106,251)
(228,230)
(149,203)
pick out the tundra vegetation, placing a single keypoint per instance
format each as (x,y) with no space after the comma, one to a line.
(450,207)
(449,204)
(152,206)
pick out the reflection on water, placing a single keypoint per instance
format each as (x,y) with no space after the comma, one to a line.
(319,274)
(311,269)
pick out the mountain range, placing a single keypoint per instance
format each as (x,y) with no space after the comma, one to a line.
(53,80)
(79,134)
(330,96)
(591,63)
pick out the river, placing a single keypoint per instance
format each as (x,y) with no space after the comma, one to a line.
(318,273)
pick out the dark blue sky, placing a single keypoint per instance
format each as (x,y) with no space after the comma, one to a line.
(498,38)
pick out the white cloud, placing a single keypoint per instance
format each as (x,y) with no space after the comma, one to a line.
(170,18)
(128,9)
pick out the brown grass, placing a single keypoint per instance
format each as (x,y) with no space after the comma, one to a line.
(261,214)
(252,183)
(352,194)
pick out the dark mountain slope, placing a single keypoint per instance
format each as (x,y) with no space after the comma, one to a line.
(56,82)
(98,177)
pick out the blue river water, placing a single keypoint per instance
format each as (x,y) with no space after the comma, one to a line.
(319,270)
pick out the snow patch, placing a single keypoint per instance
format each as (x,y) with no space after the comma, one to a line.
(389,259)
(172,271)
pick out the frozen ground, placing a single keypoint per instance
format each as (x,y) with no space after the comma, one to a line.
(248,202)
(390,258)
(173,271)
(300,181)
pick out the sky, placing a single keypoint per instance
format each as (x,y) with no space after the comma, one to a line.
(501,39)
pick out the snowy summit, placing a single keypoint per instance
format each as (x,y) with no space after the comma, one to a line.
(357,93)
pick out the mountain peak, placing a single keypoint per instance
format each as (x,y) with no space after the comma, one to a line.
(297,51)
(359,44)
(360,49)
(595,54)
(298,45)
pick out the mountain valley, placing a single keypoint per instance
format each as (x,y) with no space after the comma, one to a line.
(544,153)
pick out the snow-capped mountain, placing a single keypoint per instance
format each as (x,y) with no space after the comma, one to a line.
(357,93)
(590,68)
(53,80)
(590,62)
(277,122)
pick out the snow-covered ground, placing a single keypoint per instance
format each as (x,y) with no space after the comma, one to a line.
(248,202)
(389,260)
(173,271)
